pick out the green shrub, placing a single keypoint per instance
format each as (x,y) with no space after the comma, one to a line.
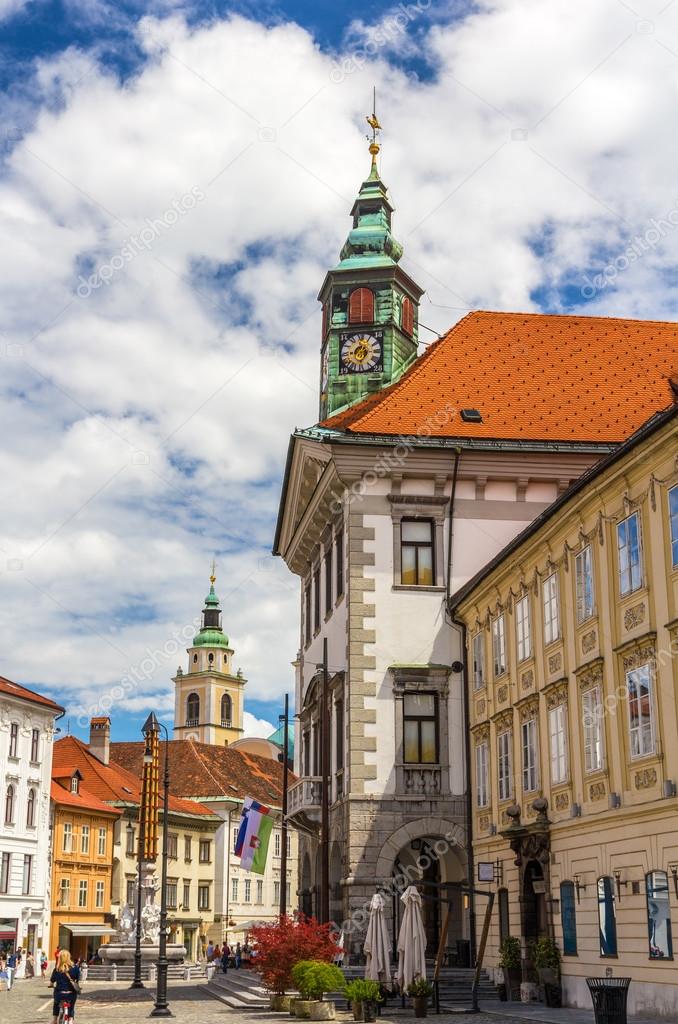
(314,977)
(363,990)
(420,987)
(509,952)
(545,954)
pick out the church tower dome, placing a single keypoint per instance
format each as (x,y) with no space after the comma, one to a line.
(209,697)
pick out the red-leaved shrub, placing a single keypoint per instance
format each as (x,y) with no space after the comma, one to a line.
(284,943)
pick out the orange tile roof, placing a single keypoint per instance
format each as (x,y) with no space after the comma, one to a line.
(108,782)
(17,690)
(532,376)
(82,799)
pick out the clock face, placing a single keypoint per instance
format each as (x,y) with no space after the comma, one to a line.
(362,352)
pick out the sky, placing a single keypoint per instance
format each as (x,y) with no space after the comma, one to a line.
(175,180)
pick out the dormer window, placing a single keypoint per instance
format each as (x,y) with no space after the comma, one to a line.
(407,316)
(361,306)
(75,783)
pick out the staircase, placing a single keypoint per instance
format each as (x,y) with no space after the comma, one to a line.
(455,986)
(125,972)
(239,990)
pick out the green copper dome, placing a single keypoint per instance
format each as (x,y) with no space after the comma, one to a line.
(370,242)
(210,638)
(211,634)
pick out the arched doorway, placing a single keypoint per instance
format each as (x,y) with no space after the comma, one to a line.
(534,903)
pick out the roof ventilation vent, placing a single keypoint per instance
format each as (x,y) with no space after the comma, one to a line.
(471,416)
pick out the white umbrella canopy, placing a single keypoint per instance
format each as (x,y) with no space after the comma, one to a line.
(411,940)
(376,945)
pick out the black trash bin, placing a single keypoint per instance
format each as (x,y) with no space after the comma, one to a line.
(609,999)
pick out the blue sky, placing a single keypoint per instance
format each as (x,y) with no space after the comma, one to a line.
(175,181)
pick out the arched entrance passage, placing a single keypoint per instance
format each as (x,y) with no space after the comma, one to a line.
(534,903)
(335,882)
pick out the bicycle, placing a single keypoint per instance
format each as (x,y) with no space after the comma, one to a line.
(65,1011)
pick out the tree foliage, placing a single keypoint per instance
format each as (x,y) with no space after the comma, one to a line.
(286,942)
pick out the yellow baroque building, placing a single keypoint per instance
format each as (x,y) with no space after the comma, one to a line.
(572,634)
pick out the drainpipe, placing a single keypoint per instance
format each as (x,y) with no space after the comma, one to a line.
(450,539)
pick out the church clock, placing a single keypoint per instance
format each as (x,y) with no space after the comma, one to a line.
(361,351)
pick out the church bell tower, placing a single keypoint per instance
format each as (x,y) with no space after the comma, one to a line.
(209,698)
(370,305)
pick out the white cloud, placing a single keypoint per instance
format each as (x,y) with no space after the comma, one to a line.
(257,726)
(146,426)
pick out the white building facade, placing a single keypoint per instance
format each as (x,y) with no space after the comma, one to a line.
(26,736)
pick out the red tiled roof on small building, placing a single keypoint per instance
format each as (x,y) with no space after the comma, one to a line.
(82,800)
(23,693)
(532,377)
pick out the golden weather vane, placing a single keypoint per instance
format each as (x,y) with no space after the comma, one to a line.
(373,122)
(213,571)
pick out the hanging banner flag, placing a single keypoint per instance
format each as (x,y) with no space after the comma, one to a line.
(254,834)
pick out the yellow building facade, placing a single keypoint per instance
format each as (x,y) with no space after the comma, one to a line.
(572,636)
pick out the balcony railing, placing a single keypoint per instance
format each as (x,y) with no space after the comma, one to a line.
(420,780)
(225,723)
(191,723)
(304,796)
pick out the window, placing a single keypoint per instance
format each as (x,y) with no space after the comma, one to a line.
(75,783)
(498,645)
(307,613)
(641,713)
(558,741)
(584,583)
(35,746)
(186,898)
(5,865)
(68,837)
(416,552)
(607,918)
(192,709)
(235,837)
(187,849)
(13,739)
(65,892)
(27,877)
(673,524)
(361,306)
(10,800)
(551,613)
(407,316)
(248,890)
(99,895)
(205,851)
(592,721)
(82,892)
(339,562)
(226,711)
(505,764)
(234,890)
(420,728)
(628,548)
(529,745)
(171,893)
(203,897)
(482,793)
(328,580)
(172,845)
(658,915)
(276,893)
(276,845)
(260,891)
(130,847)
(504,927)
(288,893)
(478,661)
(130,892)
(30,809)
(84,839)
(338,738)
(306,751)
(568,918)
(523,631)
(316,598)
(101,845)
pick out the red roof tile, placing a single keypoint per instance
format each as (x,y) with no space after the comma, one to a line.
(532,376)
(17,690)
(82,799)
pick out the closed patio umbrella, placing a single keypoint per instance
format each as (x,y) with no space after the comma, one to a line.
(411,940)
(376,946)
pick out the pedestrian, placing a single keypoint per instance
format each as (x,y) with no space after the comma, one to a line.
(65,981)
(43,963)
(3,971)
(225,954)
(238,955)
(210,951)
(30,965)
(11,968)
(216,955)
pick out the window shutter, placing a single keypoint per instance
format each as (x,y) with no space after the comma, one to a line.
(361,306)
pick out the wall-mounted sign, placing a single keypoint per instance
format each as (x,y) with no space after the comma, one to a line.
(485,871)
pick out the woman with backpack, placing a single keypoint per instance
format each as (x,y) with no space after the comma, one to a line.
(65,981)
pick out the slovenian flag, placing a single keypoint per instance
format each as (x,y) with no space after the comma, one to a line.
(254,834)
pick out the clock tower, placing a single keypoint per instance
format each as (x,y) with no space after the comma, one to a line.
(370,305)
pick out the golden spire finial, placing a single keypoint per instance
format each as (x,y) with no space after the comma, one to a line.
(373,122)
(213,575)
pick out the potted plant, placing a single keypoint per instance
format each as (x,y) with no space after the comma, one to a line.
(546,959)
(281,944)
(313,978)
(510,962)
(363,995)
(420,992)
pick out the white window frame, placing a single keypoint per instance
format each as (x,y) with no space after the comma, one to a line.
(260,891)
(64,892)
(499,645)
(583,572)
(529,755)
(551,605)
(558,744)
(592,724)
(482,774)
(505,764)
(234,890)
(478,655)
(67,844)
(629,560)
(99,895)
(639,745)
(673,524)
(84,839)
(83,893)
(276,844)
(523,628)
(101,842)
(247,896)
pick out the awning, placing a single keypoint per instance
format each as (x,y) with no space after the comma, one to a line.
(245,926)
(93,928)
(7,936)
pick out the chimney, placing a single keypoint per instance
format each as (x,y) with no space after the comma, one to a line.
(100,738)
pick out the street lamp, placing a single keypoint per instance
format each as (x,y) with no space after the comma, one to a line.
(161,1007)
(137,982)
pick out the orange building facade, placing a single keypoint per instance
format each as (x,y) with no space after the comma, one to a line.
(82,865)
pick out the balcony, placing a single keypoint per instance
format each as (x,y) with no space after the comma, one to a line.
(226,723)
(420,780)
(192,723)
(303,799)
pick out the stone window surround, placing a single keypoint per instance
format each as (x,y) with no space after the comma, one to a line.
(413,506)
(422,679)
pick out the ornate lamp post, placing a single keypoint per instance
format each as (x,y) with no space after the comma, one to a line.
(161,1007)
(137,982)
